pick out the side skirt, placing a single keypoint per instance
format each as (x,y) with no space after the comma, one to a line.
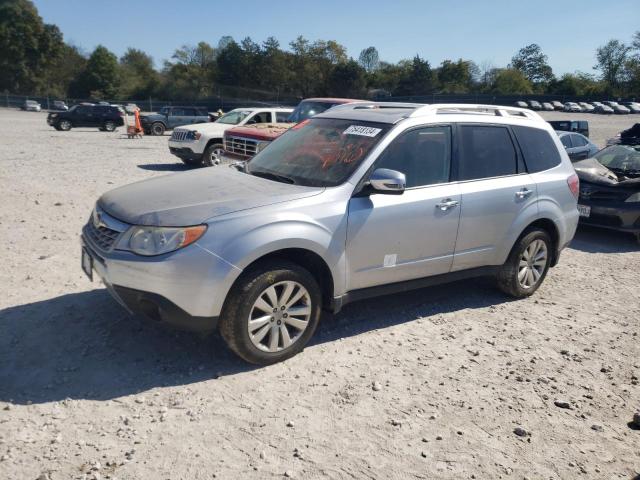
(388,289)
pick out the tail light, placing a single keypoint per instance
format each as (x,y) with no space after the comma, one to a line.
(574,185)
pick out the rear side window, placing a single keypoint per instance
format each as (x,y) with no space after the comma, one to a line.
(566,141)
(539,150)
(281,117)
(486,151)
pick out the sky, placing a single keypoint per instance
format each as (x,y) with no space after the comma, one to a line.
(480,30)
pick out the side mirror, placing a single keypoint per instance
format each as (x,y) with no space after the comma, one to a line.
(389,182)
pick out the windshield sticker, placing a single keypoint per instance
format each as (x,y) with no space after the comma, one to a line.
(362,131)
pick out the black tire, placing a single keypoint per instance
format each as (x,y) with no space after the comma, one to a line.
(157,129)
(64,125)
(238,307)
(508,276)
(211,155)
(109,126)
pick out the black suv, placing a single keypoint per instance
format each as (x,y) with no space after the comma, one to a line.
(104,117)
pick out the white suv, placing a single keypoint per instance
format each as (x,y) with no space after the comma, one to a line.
(201,144)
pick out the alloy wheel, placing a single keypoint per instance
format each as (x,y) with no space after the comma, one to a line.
(533,262)
(279,316)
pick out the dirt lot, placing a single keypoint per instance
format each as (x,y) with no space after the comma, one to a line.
(88,392)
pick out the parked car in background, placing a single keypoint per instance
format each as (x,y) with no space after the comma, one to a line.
(170,117)
(131,108)
(578,146)
(580,126)
(634,107)
(535,105)
(242,143)
(103,117)
(202,145)
(521,104)
(630,136)
(557,105)
(602,108)
(610,189)
(617,108)
(547,106)
(31,106)
(59,105)
(586,107)
(352,203)
(572,107)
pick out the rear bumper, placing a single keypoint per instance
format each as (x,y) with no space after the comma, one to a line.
(620,216)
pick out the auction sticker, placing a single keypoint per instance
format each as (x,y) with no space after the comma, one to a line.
(362,131)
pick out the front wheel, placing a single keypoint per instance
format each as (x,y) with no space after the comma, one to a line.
(212,155)
(158,129)
(271,313)
(527,265)
(65,125)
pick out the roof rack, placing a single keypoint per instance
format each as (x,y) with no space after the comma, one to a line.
(495,110)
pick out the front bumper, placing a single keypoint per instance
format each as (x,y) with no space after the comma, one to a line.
(185,153)
(184,289)
(620,216)
(228,157)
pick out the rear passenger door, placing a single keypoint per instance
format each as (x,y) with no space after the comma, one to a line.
(495,189)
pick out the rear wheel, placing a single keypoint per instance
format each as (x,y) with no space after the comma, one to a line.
(271,313)
(527,265)
(65,125)
(109,126)
(158,129)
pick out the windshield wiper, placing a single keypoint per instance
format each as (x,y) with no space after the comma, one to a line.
(272,176)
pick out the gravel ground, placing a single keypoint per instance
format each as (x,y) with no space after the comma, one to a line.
(450,382)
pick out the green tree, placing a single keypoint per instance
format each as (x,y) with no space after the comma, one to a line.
(509,81)
(455,77)
(369,59)
(139,78)
(416,78)
(532,63)
(28,48)
(347,79)
(100,78)
(611,58)
(191,72)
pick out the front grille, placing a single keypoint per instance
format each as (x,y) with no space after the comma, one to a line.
(181,135)
(102,237)
(606,196)
(240,146)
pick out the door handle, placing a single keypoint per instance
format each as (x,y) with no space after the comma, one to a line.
(446,204)
(524,193)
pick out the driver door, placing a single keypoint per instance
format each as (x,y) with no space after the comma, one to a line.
(393,238)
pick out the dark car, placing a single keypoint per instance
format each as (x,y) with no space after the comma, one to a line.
(170,117)
(578,146)
(103,117)
(580,126)
(59,105)
(610,189)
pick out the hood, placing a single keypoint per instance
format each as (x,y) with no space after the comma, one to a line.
(209,127)
(592,171)
(261,131)
(191,198)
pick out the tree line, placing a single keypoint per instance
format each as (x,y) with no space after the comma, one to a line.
(35,60)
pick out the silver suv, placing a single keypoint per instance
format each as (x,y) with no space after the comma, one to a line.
(362,200)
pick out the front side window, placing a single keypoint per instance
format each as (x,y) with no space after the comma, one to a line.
(578,141)
(262,117)
(320,152)
(422,154)
(486,151)
(234,117)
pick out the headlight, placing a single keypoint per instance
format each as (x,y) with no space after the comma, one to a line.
(158,240)
(634,198)
(261,146)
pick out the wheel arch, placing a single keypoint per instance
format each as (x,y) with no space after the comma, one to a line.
(304,258)
(212,141)
(552,229)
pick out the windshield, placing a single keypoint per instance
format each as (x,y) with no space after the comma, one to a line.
(306,110)
(619,158)
(234,117)
(319,152)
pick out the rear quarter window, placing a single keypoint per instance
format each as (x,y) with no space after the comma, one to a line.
(539,149)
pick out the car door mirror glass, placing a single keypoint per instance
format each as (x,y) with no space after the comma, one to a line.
(386,181)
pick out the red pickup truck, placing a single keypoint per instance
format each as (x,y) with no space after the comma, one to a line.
(242,143)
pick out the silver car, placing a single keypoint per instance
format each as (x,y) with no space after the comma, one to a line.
(578,146)
(362,200)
